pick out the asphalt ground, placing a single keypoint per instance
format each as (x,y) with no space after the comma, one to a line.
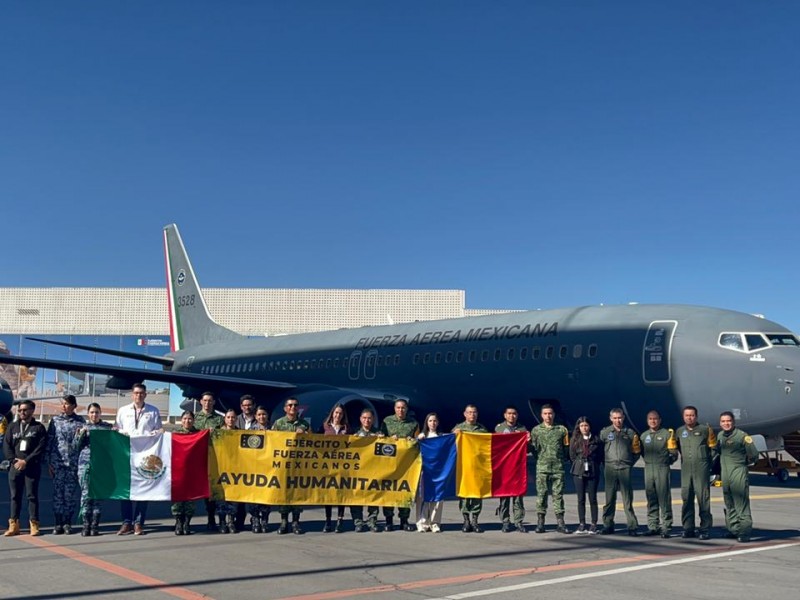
(404,565)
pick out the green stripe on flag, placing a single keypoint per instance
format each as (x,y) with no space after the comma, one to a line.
(109,465)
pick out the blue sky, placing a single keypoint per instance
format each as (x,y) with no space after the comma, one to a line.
(535,154)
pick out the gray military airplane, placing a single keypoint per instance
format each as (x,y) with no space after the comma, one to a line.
(583,361)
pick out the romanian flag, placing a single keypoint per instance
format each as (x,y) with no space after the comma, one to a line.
(491,465)
(165,466)
(438,467)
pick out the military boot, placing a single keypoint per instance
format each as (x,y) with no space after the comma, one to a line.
(296,529)
(284,527)
(222,528)
(212,524)
(13,528)
(372,523)
(561,526)
(467,526)
(187,530)
(94,528)
(35,527)
(328,527)
(404,526)
(389,524)
(87,526)
(68,525)
(178,525)
(539,523)
(230,522)
(475,527)
(339,526)
(506,528)
(58,528)
(255,524)
(263,520)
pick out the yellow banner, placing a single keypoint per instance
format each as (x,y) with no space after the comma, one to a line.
(276,467)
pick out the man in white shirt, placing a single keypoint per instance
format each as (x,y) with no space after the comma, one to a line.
(136,419)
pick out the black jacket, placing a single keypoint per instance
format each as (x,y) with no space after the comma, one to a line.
(36,438)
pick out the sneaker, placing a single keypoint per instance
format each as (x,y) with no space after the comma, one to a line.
(581,530)
(435,528)
(126,529)
(138,529)
(593,529)
(421,526)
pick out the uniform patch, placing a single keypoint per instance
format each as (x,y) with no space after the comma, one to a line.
(611,437)
(647,439)
(748,439)
(685,434)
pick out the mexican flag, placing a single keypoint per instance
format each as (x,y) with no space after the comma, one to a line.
(166,466)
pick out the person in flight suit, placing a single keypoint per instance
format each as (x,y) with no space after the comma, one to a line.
(511,424)
(470,507)
(24,445)
(291,421)
(622,449)
(551,444)
(397,426)
(206,418)
(659,451)
(62,459)
(736,451)
(697,444)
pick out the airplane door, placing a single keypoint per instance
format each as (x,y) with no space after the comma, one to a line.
(370,364)
(657,352)
(354,366)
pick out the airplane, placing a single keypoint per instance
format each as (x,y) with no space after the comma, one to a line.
(583,361)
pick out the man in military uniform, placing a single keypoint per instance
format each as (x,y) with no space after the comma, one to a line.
(291,421)
(698,447)
(622,449)
(659,451)
(511,424)
(367,429)
(551,444)
(736,452)
(470,507)
(206,418)
(399,426)
(62,459)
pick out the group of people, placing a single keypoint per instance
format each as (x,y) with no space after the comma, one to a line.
(64,448)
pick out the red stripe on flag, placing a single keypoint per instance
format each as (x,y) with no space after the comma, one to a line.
(190,466)
(509,469)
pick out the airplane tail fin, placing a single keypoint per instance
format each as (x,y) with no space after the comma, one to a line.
(189,321)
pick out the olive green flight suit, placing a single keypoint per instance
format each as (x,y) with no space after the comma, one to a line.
(470,506)
(551,445)
(509,503)
(408,428)
(659,451)
(698,447)
(622,449)
(737,450)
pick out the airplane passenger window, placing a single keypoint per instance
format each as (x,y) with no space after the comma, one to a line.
(313,363)
(345,362)
(415,359)
(472,355)
(437,358)
(510,354)
(448,357)
(396,360)
(335,363)
(523,353)
(484,355)
(577,351)
(426,358)
(370,360)
(755,341)
(562,352)
(327,363)
(291,365)
(498,354)
(731,340)
(549,352)
(379,362)
(783,339)
(271,365)
(592,350)
(459,356)
(536,353)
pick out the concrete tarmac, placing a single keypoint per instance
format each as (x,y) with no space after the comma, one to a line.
(407,565)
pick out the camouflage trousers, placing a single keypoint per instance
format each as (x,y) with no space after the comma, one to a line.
(553,484)
(470,506)
(89,507)
(66,493)
(182,509)
(515,503)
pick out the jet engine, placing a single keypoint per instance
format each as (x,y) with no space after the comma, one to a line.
(6,397)
(316,404)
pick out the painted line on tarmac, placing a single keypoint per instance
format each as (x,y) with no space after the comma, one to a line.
(718,499)
(620,571)
(139,578)
(477,577)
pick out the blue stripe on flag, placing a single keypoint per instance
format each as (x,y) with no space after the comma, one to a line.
(438,467)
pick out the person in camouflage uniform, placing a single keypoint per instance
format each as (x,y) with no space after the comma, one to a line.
(511,424)
(736,452)
(698,447)
(367,429)
(470,507)
(659,451)
(291,421)
(551,444)
(397,426)
(62,456)
(621,449)
(184,511)
(208,419)
(90,509)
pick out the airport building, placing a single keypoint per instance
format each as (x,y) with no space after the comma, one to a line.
(136,320)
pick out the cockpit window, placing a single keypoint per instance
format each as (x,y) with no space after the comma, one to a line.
(783,339)
(755,341)
(731,340)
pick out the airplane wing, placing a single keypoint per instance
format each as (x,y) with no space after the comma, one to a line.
(133,374)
